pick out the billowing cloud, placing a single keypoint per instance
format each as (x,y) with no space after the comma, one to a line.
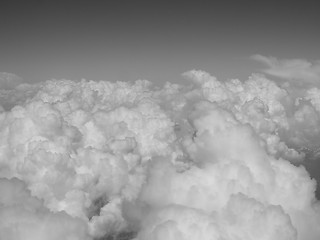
(291,69)
(23,217)
(206,160)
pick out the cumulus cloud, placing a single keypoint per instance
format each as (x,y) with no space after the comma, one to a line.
(291,69)
(205,160)
(242,218)
(23,217)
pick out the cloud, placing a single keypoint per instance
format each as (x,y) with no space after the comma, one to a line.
(9,80)
(23,217)
(228,161)
(119,159)
(291,69)
(242,218)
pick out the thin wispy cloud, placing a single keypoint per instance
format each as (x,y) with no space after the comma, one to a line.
(9,80)
(291,69)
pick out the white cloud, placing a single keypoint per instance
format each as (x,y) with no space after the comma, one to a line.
(23,217)
(173,162)
(242,218)
(291,69)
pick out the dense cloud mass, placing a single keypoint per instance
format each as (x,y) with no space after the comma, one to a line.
(203,160)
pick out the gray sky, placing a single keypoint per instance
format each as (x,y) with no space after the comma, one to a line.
(128,40)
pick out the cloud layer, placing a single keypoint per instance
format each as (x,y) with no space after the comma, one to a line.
(203,160)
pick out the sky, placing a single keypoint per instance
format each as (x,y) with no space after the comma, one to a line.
(130,40)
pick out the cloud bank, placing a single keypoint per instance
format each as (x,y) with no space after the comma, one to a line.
(203,160)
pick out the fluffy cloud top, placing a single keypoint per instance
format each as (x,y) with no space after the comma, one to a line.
(291,69)
(209,160)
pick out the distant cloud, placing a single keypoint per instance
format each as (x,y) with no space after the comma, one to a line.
(9,80)
(291,69)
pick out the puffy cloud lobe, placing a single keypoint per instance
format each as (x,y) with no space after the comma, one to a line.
(178,162)
(258,102)
(220,174)
(291,69)
(24,217)
(243,218)
(76,152)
